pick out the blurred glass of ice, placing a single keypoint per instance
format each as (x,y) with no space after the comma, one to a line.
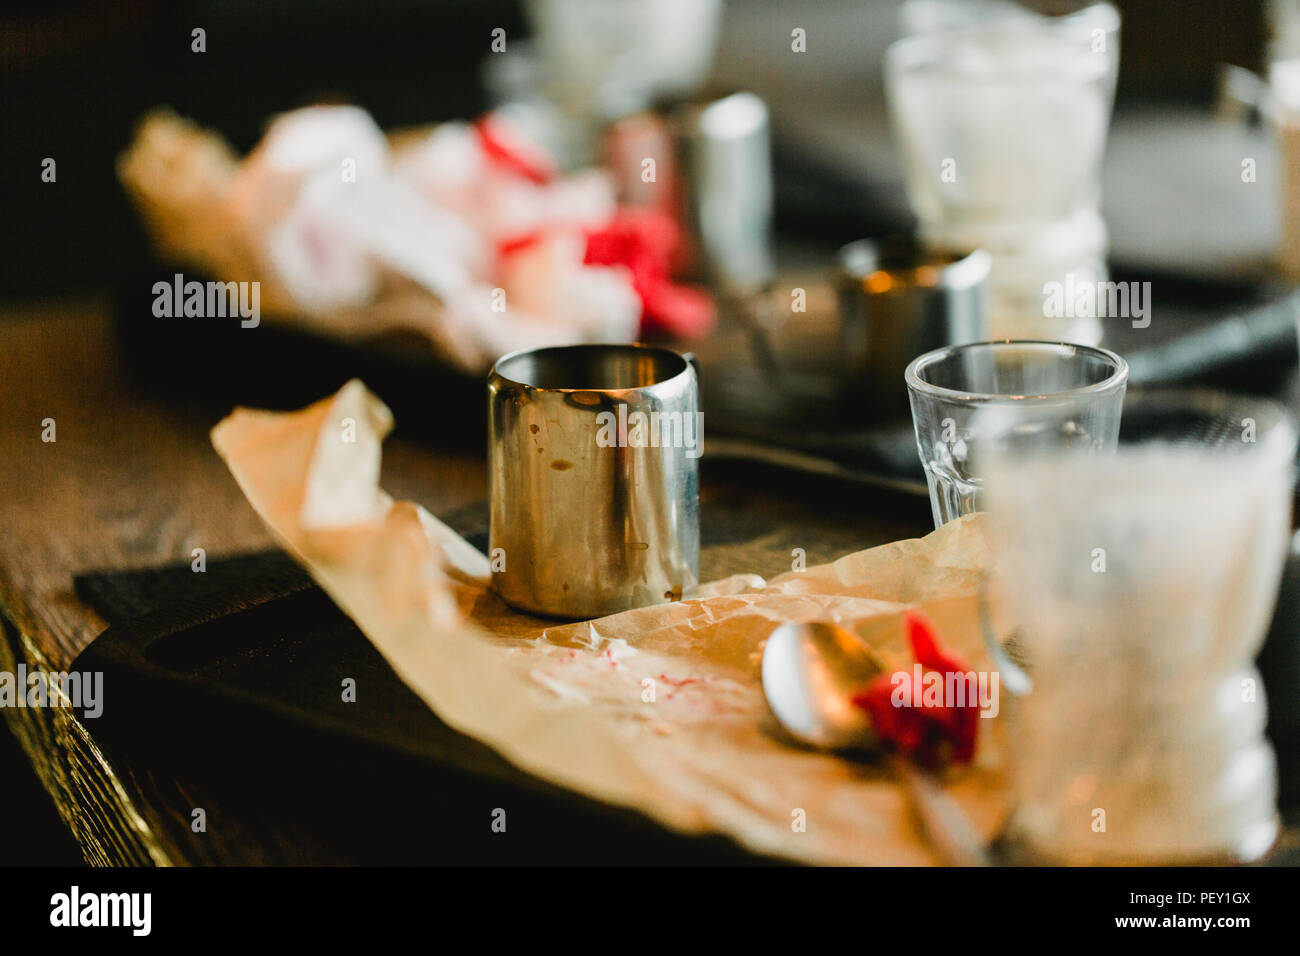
(1000,114)
(1138,588)
(606,59)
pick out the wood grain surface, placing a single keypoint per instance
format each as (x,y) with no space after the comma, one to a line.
(131,481)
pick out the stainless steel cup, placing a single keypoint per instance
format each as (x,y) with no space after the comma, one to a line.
(898,301)
(724,148)
(593,460)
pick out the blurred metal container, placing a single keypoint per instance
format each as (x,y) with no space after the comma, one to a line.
(897,301)
(724,150)
(593,463)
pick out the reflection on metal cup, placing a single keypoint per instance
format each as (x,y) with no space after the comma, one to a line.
(1284,78)
(593,461)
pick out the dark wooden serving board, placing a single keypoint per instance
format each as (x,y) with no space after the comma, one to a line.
(234,687)
(227,685)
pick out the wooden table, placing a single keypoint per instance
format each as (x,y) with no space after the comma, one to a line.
(131,481)
(128,482)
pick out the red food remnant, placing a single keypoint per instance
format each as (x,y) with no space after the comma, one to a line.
(512,244)
(645,241)
(678,683)
(924,732)
(509,150)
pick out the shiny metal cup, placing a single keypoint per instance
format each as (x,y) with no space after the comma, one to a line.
(593,461)
(897,301)
(724,148)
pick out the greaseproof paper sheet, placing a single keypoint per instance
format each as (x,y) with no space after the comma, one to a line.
(659,709)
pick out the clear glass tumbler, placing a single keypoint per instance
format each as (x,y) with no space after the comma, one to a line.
(1001,123)
(969,401)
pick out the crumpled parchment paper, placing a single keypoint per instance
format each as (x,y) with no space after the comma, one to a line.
(659,709)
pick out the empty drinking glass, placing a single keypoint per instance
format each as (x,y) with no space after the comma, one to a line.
(972,400)
(1137,590)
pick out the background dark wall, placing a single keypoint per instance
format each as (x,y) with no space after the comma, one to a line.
(75,77)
